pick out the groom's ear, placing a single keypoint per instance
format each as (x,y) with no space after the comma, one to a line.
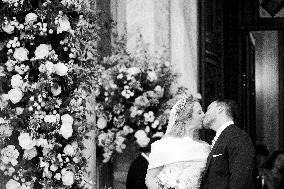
(221,109)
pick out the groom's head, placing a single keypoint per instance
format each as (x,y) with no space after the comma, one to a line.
(220,111)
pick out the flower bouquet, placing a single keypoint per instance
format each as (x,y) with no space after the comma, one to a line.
(47,73)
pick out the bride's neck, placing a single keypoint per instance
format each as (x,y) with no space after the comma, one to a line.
(191,133)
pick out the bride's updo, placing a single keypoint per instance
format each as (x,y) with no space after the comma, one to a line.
(180,113)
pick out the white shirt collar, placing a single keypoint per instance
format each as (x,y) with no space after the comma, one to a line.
(145,156)
(222,128)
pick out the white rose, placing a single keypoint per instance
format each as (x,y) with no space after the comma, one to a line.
(42,51)
(101,123)
(8,28)
(49,67)
(57,176)
(152,76)
(67,178)
(67,119)
(15,95)
(69,150)
(26,141)
(158,88)
(21,54)
(141,138)
(53,167)
(56,91)
(63,25)
(61,69)
(17,81)
(12,184)
(50,118)
(19,110)
(30,18)
(66,130)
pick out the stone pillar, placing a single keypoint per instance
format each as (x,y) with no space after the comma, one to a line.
(184,41)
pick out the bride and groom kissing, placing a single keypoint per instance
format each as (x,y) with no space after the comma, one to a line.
(181,161)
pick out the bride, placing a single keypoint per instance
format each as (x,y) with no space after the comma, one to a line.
(178,159)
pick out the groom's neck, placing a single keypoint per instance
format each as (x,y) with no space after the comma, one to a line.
(219,122)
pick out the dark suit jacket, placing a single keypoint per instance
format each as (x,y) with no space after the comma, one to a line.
(137,174)
(231,162)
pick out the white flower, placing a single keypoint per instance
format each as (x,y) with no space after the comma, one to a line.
(61,69)
(55,91)
(9,154)
(152,76)
(66,130)
(49,66)
(158,88)
(149,117)
(69,150)
(5,129)
(57,176)
(155,124)
(12,184)
(67,119)
(21,54)
(142,138)
(17,81)
(26,141)
(67,177)
(53,167)
(158,134)
(15,95)
(142,101)
(30,154)
(50,118)
(42,68)
(30,18)
(63,25)
(8,28)
(42,51)
(101,123)
(133,71)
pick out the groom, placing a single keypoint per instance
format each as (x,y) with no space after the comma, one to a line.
(230,163)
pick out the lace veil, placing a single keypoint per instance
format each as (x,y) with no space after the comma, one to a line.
(177,109)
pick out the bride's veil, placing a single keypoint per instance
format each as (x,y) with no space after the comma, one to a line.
(179,106)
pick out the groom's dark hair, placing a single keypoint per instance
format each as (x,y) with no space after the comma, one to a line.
(230,106)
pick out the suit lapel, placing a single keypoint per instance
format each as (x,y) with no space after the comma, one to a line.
(219,140)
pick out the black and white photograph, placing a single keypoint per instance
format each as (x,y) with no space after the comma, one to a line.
(141,94)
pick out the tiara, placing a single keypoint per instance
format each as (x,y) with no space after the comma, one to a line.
(180,105)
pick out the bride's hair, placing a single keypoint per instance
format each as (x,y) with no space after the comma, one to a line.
(179,114)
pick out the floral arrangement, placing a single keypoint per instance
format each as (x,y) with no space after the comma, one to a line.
(48,71)
(133,101)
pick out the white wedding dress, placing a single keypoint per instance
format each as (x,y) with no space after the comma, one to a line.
(182,159)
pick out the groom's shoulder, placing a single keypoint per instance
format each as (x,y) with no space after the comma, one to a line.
(235,131)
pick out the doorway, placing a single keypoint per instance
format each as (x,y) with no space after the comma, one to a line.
(268,87)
